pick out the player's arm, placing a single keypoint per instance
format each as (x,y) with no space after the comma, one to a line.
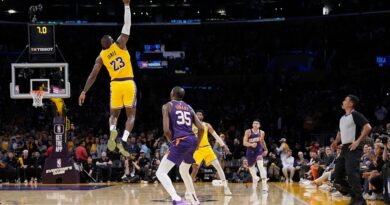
(263,144)
(124,37)
(165,113)
(91,79)
(336,141)
(211,130)
(246,139)
(198,124)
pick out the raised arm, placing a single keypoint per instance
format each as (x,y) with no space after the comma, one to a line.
(91,79)
(165,112)
(217,137)
(124,37)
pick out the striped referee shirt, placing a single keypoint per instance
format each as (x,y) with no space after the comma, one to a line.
(351,126)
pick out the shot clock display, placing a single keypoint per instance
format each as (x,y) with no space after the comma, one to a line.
(41,39)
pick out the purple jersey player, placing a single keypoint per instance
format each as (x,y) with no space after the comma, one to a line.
(178,118)
(256,148)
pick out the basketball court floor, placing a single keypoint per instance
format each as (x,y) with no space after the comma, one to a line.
(135,194)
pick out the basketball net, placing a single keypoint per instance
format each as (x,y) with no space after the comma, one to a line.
(37,96)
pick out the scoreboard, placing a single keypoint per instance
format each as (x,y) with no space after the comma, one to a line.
(41,39)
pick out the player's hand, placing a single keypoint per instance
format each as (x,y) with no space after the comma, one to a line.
(265,153)
(81,98)
(126,2)
(354,145)
(334,146)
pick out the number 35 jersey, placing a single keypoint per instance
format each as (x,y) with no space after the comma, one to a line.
(117,62)
(181,118)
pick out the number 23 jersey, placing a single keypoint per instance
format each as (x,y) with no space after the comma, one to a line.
(181,118)
(117,61)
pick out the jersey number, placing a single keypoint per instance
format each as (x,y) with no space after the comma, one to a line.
(117,64)
(183,117)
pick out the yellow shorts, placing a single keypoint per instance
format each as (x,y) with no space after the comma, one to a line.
(123,94)
(204,153)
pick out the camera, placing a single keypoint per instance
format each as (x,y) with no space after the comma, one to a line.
(384,139)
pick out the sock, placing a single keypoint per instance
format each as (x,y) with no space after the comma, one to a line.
(263,172)
(252,170)
(220,172)
(125,136)
(162,175)
(112,127)
(184,170)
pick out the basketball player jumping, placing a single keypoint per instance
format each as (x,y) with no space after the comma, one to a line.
(178,118)
(116,58)
(206,153)
(256,148)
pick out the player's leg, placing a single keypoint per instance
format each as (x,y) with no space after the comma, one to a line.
(222,176)
(162,175)
(263,173)
(255,178)
(198,157)
(184,170)
(130,112)
(189,146)
(114,114)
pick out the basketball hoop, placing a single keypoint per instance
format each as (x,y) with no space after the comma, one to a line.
(37,96)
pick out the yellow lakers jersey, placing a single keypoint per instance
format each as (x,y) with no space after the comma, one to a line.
(117,62)
(205,139)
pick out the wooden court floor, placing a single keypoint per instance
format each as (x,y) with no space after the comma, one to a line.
(136,194)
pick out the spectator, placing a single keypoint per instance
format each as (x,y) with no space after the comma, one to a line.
(314,165)
(24,170)
(242,174)
(132,145)
(164,148)
(301,165)
(220,152)
(88,170)
(81,153)
(274,165)
(104,168)
(282,150)
(36,166)
(288,167)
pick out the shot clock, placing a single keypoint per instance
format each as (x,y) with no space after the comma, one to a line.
(41,39)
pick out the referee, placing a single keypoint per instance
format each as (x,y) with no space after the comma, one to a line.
(354,127)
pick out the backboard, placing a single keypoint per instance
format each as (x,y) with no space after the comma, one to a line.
(50,77)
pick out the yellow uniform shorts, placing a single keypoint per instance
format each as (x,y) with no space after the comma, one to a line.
(123,94)
(204,153)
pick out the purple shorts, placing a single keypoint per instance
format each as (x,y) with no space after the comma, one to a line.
(182,149)
(252,156)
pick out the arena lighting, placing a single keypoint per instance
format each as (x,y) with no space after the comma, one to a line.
(11,11)
(325,10)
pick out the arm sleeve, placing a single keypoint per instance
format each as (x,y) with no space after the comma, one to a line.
(127,21)
(359,119)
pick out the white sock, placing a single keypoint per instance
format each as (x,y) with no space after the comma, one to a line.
(112,127)
(263,172)
(220,172)
(125,136)
(252,170)
(162,175)
(184,170)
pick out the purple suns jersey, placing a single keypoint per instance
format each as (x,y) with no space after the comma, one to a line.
(255,137)
(181,118)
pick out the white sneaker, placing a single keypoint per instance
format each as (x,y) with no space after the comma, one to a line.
(366,196)
(291,181)
(375,197)
(336,194)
